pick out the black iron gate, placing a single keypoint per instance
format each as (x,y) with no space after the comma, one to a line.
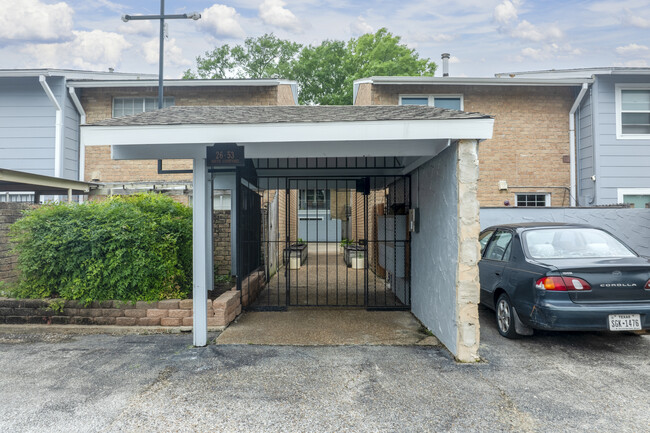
(328,242)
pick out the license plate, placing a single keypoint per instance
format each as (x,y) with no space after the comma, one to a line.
(624,322)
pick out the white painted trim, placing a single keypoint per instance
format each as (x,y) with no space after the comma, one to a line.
(572,144)
(618,100)
(455,129)
(432,97)
(622,192)
(200,249)
(58,126)
(74,75)
(181,83)
(488,81)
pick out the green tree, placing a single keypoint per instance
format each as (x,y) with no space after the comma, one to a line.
(265,56)
(325,73)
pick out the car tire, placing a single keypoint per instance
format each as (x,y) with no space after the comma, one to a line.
(505,316)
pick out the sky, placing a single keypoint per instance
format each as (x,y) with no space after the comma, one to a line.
(484,37)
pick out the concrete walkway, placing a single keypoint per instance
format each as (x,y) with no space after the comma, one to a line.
(326,326)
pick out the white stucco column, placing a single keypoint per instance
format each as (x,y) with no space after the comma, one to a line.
(467,276)
(201,249)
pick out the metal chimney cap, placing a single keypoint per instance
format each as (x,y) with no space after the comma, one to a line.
(445,55)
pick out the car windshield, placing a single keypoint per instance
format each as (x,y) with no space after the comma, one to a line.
(561,243)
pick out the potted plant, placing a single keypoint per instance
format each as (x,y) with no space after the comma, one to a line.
(353,254)
(296,254)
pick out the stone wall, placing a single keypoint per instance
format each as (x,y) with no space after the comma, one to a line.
(9,213)
(172,312)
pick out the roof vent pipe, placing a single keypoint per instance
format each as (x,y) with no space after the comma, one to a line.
(445,64)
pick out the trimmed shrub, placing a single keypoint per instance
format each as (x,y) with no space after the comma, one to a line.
(129,248)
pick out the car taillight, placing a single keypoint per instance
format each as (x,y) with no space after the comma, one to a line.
(647,285)
(563,284)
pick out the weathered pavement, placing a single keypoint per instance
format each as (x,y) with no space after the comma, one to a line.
(550,383)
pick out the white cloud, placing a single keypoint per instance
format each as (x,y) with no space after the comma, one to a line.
(221,20)
(548,51)
(360,27)
(531,32)
(633,64)
(638,21)
(173,53)
(454,60)
(35,21)
(631,49)
(96,50)
(142,28)
(506,11)
(274,13)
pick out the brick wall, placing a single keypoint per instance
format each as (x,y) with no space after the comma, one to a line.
(171,312)
(9,213)
(221,242)
(531,135)
(98,104)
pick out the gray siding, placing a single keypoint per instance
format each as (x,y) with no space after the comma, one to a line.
(585,150)
(632,226)
(619,163)
(71,122)
(27,124)
(434,249)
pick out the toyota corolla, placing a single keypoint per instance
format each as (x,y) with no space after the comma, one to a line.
(562,277)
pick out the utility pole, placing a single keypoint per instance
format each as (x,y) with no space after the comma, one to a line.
(162,17)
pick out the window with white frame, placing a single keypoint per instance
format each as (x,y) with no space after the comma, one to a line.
(452,102)
(531,199)
(635,197)
(130,106)
(632,111)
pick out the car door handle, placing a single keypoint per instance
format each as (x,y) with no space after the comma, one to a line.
(498,274)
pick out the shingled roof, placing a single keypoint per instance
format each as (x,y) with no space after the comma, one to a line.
(220,115)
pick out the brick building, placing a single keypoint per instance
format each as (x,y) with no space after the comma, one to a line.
(528,160)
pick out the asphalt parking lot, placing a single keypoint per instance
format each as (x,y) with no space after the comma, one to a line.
(552,382)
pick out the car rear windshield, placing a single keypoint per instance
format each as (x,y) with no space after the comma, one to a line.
(561,243)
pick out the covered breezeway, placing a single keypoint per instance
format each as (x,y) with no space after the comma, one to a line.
(379,150)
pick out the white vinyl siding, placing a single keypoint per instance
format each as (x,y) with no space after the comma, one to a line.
(452,102)
(130,106)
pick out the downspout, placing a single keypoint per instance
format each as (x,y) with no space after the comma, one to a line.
(82,148)
(58,128)
(572,142)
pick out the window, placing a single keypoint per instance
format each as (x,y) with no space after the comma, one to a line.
(484,238)
(564,243)
(532,200)
(499,246)
(317,199)
(637,197)
(632,111)
(130,106)
(21,197)
(452,102)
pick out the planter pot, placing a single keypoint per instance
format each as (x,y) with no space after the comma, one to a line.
(354,256)
(295,255)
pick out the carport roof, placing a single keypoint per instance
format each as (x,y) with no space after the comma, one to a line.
(224,115)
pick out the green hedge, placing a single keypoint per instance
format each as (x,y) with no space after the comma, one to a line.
(129,248)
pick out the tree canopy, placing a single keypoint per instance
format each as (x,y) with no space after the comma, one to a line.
(325,73)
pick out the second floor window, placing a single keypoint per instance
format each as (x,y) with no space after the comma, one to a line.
(452,102)
(635,111)
(130,106)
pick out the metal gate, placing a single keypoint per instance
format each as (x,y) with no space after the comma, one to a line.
(334,242)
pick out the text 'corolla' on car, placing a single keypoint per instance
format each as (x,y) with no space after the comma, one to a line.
(563,277)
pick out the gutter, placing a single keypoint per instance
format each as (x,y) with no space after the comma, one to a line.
(58,129)
(572,142)
(82,148)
